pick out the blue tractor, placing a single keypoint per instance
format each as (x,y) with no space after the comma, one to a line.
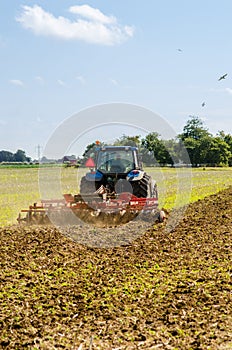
(118,169)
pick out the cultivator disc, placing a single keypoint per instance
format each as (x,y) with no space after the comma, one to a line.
(91,209)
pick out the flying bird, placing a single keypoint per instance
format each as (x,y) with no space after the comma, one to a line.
(223,76)
(203,104)
(179,50)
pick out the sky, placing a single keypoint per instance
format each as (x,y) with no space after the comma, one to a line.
(59,58)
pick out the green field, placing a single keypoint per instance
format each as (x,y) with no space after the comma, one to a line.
(21,187)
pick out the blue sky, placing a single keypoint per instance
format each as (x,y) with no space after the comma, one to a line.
(61,57)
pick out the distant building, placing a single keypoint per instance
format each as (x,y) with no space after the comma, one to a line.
(72,160)
(45,160)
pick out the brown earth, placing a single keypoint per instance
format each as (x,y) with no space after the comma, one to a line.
(164,290)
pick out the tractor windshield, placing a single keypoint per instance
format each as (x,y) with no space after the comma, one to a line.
(115,161)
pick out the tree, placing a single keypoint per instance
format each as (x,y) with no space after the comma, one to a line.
(228,139)
(90,151)
(192,146)
(157,148)
(172,146)
(125,140)
(6,156)
(218,153)
(194,129)
(196,139)
(20,156)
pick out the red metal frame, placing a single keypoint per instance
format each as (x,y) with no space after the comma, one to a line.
(125,201)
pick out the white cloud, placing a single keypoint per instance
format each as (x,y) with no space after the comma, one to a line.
(92,14)
(61,82)
(39,79)
(114,82)
(39,120)
(222,90)
(91,25)
(81,79)
(229,90)
(16,82)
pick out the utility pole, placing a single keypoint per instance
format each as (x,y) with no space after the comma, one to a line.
(38,150)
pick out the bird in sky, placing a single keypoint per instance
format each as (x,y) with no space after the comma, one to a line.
(203,104)
(223,76)
(179,50)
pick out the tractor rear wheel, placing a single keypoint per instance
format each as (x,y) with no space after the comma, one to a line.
(86,186)
(143,187)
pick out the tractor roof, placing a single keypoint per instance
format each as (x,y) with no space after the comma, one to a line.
(121,148)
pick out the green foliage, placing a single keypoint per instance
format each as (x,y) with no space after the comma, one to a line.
(194,129)
(90,152)
(228,139)
(218,152)
(203,148)
(125,140)
(156,148)
(19,156)
(6,156)
(194,145)
(193,148)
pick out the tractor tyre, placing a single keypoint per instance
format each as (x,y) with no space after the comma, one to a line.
(142,188)
(87,187)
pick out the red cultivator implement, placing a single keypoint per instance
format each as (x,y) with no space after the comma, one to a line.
(91,209)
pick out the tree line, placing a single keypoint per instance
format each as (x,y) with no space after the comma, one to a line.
(195,146)
(19,156)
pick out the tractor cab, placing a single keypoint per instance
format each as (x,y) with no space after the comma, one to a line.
(117,169)
(117,159)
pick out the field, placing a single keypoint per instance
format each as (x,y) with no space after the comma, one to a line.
(20,188)
(167,290)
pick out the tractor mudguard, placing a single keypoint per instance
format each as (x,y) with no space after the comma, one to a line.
(94,176)
(135,175)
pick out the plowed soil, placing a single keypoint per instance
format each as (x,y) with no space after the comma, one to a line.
(164,290)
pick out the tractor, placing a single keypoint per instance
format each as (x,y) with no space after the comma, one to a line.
(117,169)
(115,191)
